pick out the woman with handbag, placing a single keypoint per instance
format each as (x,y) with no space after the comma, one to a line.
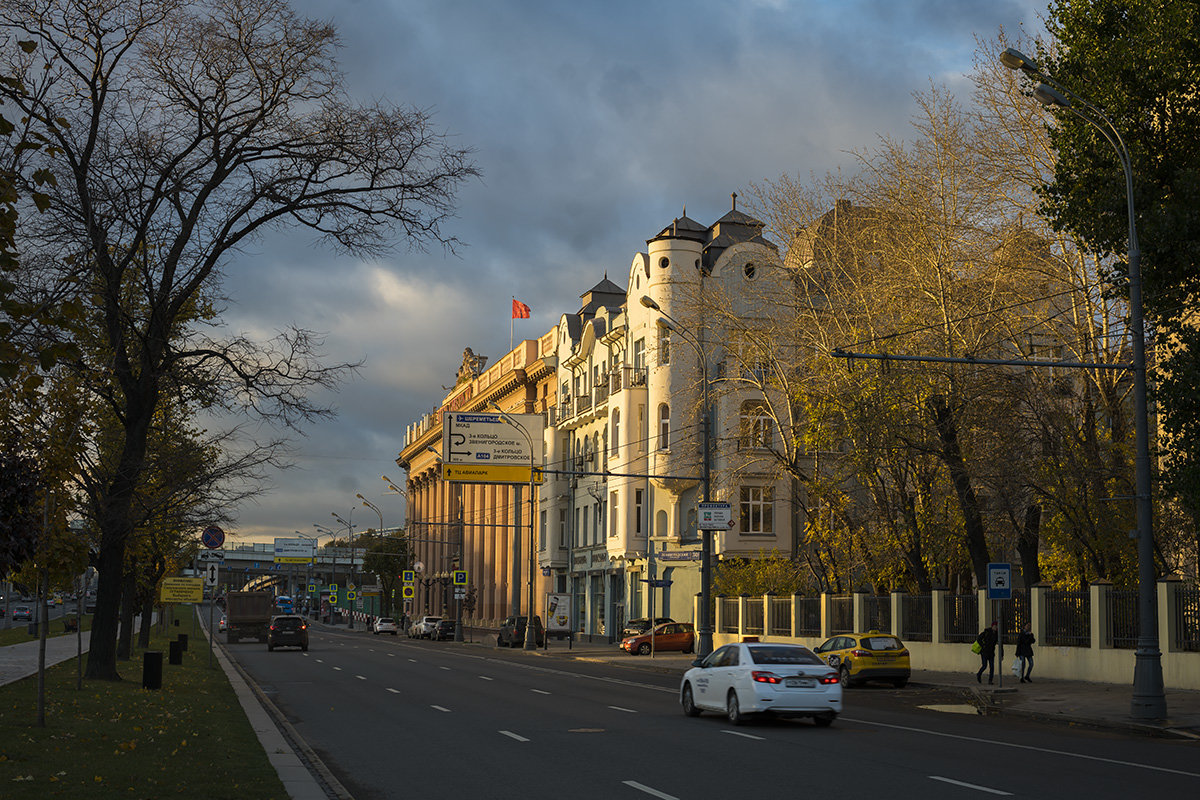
(1025,643)
(986,640)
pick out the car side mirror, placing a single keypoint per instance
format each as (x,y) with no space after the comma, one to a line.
(699,662)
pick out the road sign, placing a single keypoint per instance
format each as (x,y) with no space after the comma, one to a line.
(333,587)
(351,595)
(408,576)
(312,588)
(182,590)
(212,537)
(489,473)
(210,573)
(333,597)
(459,577)
(294,551)
(460,594)
(211,555)
(407,592)
(469,438)
(999,581)
(715,516)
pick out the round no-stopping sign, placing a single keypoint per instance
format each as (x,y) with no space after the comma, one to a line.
(212,537)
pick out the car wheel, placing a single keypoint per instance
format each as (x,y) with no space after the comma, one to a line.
(900,683)
(824,720)
(644,649)
(733,709)
(845,673)
(689,702)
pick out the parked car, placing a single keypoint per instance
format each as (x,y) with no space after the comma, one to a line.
(287,630)
(385,625)
(443,631)
(512,632)
(747,678)
(636,627)
(670,636)
(422,628)
(22,614)
(867,656)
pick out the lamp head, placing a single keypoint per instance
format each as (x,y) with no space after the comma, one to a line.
(648,302)
(1015,59)
(1049,96)
(360,497)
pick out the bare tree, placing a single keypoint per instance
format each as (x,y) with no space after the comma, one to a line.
(179,133)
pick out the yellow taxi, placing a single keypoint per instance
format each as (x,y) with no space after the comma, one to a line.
(867,656)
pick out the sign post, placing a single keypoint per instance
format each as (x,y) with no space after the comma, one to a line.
(999,588)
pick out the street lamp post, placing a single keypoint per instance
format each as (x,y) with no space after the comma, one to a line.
(308,571)
(1149,700)
(333,564)
(353,579)
(374,508)
(705,644)
(530,632)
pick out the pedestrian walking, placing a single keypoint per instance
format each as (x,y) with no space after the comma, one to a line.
(986,640)
(1025,642)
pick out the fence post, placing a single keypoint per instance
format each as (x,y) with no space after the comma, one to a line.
(983,610)
(1168,602)
(858,609)
(696,611)
(796,616)
(937,609)
(1039,612)
(767,605)
(719,616)
(898,600)
(826,615)
(743,601)
(1099,612)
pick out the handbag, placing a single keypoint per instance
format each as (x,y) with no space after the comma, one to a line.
(976,648)
(1016,666)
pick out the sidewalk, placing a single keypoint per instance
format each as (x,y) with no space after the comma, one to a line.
(18,661)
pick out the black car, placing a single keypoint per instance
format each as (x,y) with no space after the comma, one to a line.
(636,627)
(512,632)
(443,630)
(288,630)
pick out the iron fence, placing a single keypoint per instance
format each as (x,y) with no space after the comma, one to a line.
(1187,618)
(1068,619)
(1122,608)
(961,613)
(753,624)
(1021,613)
(729,614)
(916,618)
(878,610)
(810,616)
(780,616)
(841,609)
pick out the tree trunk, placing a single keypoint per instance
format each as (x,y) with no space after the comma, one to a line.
(1028,545)
(128,605)
(968,501)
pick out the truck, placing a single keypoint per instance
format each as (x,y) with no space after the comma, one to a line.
(248,615)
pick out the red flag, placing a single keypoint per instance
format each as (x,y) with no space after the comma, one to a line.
(520,310)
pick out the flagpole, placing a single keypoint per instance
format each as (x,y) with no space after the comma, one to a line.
(511,317)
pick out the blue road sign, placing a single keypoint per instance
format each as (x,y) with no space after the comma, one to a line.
(999,581)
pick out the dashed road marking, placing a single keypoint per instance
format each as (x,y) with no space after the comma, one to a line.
(393,691)
(977,787)
(512,735)
(539,691)
(441,708)
(744,735)
(486,678)
(652,792)
(626,710)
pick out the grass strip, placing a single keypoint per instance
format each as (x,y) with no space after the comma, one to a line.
(21,633)
(117,740)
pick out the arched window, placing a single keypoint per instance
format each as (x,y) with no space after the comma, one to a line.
(757,427)
(664,427)
(615,439)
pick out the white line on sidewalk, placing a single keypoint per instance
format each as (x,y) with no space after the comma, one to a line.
(512,735)
(745,735)
(969,785)
(626,710)
(649,791)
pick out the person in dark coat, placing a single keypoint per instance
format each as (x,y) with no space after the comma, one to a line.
(987,639)
(1025,642)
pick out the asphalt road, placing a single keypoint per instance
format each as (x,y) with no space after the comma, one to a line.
(393,717)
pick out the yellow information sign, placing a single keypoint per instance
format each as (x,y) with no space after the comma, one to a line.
(489,473)
(182,590)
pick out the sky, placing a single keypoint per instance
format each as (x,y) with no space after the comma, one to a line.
(594,125)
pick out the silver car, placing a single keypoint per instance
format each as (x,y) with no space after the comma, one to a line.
(384,625)
(423,627)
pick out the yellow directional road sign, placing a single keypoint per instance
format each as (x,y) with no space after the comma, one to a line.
(489,473)
(182,590)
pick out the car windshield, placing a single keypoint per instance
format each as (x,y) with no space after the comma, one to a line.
(288,623)
(881,643)
(386,621)
(779,654)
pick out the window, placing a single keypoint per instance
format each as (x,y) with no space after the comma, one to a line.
(664,345)
(757,510)
(639,354)
(542,532)
(664,427)
(584,532)
(660,524)
(756,427)
(638,495)
(578,543)
(616,432)
(598,526)
(612,515)
(562,528)
(641,423)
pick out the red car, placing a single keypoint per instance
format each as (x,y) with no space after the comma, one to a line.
(680,636)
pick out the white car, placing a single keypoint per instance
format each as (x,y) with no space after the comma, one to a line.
(221,624)
(384,625)
(423,627)
(746,678)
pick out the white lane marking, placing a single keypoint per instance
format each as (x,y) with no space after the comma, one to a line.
(445,668)
(320,660)
(512,735)
(626,710)
(441,708)
(486,678)
(539,691)
(649,791)
(339,669)
(391,655)
(745,735)
(413,660)
(1016,746)
(969,785)
(360,677)
(393,691)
